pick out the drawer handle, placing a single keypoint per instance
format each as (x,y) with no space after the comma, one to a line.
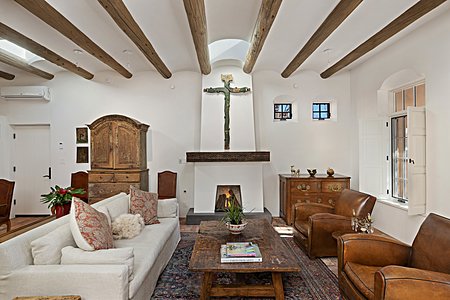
(335,188)
(303,187)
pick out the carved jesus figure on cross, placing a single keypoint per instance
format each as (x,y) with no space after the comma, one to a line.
(227,90)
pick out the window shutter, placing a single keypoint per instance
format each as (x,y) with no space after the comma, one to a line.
(417,164)
(372,153)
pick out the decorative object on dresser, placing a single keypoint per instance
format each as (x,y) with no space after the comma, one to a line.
(312,172)
(167,185)
(330,172)
(6,195)
(118,156)
(305,189)
(371,266)
(316,222)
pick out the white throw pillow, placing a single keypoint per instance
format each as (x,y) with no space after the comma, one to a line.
(118,207)
(46,250)
(127,226)
(90,228)
(167,208)
(116,256)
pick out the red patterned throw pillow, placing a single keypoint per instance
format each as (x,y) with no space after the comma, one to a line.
(89,227)
(145,204)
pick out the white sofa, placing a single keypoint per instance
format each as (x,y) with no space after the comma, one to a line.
(153,248)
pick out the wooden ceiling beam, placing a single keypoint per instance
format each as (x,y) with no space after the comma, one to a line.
(19,63)
(45,12)
(342,10)
(120,14)
(7,76)
(415,12)
(36,48)
(195,11)
(267,13)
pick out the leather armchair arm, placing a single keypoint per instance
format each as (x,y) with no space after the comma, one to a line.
(322,225)
(371,249)
(395,282)
(304,210)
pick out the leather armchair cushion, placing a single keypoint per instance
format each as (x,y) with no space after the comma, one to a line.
(350,200)
(363,277)
(304,210)
(302,227)
(410,283)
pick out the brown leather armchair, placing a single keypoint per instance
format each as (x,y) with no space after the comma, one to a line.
(377,267)
(316,222)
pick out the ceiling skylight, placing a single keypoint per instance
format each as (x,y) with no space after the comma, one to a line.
(19,51)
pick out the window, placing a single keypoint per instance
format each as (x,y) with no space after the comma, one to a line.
(399,154)
(412,96)
(321,111)
(282,111)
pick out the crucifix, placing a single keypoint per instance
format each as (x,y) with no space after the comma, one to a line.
(227,90)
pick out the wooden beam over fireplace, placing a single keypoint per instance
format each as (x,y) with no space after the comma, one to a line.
(229,156)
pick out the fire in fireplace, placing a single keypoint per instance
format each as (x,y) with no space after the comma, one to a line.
(227,194)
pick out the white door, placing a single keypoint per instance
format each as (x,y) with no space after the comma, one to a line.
(31,163)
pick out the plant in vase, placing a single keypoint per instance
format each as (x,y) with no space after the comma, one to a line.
(234,217)
(59,199)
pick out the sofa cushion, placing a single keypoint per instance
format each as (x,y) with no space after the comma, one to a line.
(119,206)
(145,204)
(167,208)
(363,277)
(147,252)
(46,250)
(77,256)
(90,228)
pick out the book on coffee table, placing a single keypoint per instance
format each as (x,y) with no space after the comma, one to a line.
(240,252)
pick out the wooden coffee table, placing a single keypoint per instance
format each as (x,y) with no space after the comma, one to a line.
(276,258)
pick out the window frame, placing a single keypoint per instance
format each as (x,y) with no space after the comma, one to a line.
(281,112)
(320,112)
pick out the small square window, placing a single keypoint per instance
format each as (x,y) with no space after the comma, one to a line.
(282,111)
(321,111)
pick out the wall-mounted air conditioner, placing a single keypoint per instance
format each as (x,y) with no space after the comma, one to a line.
(25,92)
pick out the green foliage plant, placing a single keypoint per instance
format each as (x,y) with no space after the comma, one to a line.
(60,196)
(233,214)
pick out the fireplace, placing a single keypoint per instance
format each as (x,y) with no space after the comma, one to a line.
(227,194)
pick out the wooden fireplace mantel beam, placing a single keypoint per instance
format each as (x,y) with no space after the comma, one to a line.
(123,18)
(19,63)
(48,14)
(36,48)
(7,76)
(267,13)
(228,156)
(195,11)
(342,10)
(416,11)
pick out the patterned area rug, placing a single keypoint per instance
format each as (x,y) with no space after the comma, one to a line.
(315,281)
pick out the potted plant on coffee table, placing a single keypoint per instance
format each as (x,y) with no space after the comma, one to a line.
(234,218)
(59,199)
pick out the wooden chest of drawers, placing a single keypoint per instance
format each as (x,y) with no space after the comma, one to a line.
(306,189)
(106,183)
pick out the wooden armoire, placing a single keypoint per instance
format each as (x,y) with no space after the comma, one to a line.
(118,156)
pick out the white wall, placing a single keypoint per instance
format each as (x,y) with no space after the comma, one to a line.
(305,143)
(426,51)
(171,108)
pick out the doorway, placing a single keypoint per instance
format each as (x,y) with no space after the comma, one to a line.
(31,168)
